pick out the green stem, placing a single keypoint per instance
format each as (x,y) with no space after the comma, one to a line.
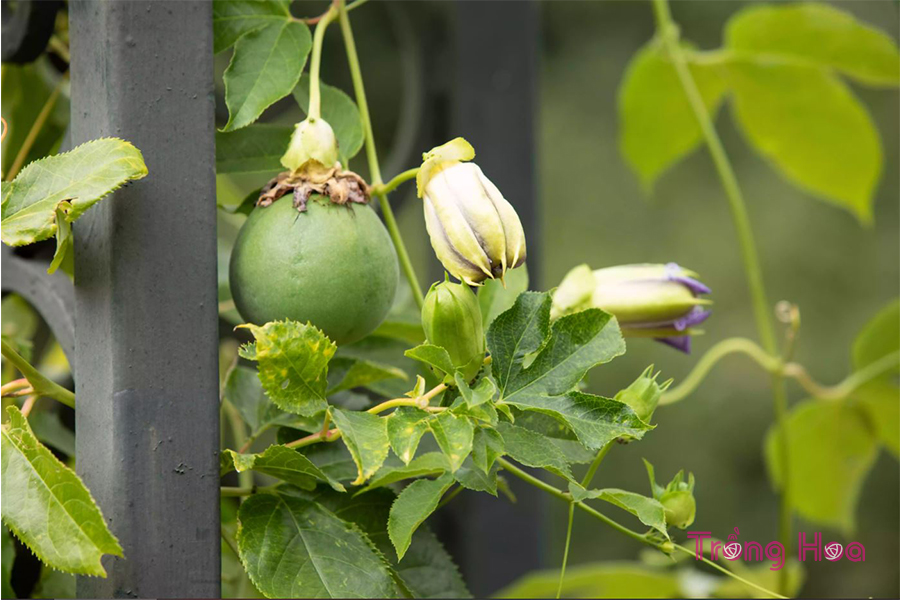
(397,181)
(229,542)
(372,157)
(562,570)
(596,464)
(35,130)
(453,494)
(315,61)
(237,492)
(640,537)
(668,32)
(42,386)
(245,478)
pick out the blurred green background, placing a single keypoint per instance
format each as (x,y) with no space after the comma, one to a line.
(840,273)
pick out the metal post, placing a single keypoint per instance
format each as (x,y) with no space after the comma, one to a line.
(145,297)
(495,107)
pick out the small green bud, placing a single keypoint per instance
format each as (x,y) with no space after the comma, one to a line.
(313,139)
(680,508)
(451,319)
(643,394)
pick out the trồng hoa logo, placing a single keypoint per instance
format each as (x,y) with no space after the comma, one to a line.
(752,551)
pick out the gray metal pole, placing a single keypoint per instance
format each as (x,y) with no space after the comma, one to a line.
(145,297)
(495,108)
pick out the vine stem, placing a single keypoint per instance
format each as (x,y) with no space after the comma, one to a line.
(245,478)
(374,169)
(397,181)
(315,62)
(565,560)
(640,537)
(29,140)
(596,464)
(42,386)
(229,542)
(668,32)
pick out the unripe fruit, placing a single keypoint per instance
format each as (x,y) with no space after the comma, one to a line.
(451,319)
(680,508)
(332,265)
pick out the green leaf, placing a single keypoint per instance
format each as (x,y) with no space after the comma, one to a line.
(533,450)
(266,66)
(334,460)
(282,463)
(405,428)
(879,399)
(483,392)
(811,127)
(562,356)
(351,373)
(71,181)
(428,464)
(53,584)
(244,391)
(294,548)
(599,580)
(879,338)
(256,149)
(658,126)
(433,356)
(412,507)
(427,570)
(454,436)
(25,91)
(648,510)
(495,296)
(831,450)
(816,33)
(473,478)
(50,430)
(293,364)
(339,111)
(366,437)
(234,18)
(487,446)
(8,553)
(57,518)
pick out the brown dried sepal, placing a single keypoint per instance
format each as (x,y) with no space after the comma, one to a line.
(314,178)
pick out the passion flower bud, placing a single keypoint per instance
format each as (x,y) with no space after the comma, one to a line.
(313,139)
(451,319)
(643,394)
(475,232)
(678,501)
(648,300)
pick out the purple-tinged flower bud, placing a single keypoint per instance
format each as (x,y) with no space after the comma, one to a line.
(648,300)
(475,232)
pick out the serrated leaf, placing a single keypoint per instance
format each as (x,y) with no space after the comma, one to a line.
(255,149)
(292,547)
(879,338)
(483,392)
(428,464)
(339,111)
(658,126)
(811,127)
(427,570)
(829,442)
(73,181)
(234,18)
(334,460)
(454,436)
(433,356)
(412,507)
(405,428)
(266,66)
(533,450)
(648,510)
(282,463)
(562,356)
(293,364)
(484,412)
(496,297)
(53,513)
(816,33)
(366,437)
(473,478)
(487,446)
(244,391)
(349,373)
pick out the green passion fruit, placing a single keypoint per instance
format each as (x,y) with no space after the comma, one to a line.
(332,265)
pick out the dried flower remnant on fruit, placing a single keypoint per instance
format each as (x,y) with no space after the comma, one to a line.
(340,186)
(649,300)
(475,232)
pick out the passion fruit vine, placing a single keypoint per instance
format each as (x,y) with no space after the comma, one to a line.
(327,263)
